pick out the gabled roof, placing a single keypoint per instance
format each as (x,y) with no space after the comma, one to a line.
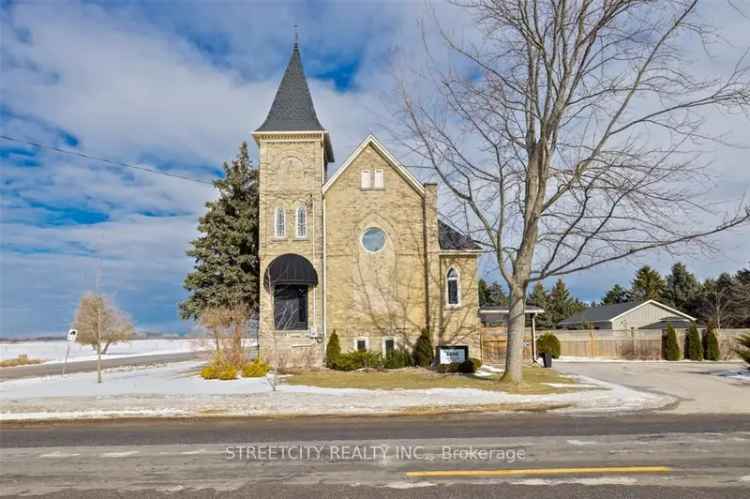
(372,141)
(606,313)
(292,109)
(450,239)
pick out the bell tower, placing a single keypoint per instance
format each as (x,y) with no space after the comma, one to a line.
(294,151)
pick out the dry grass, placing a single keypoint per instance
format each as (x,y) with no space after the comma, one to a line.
(536,380)
(21,360)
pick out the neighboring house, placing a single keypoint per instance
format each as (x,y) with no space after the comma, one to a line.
(360,252)
(649,314)
(497,315)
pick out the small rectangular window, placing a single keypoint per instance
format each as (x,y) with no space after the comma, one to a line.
(280,223)
(366,180)
(389,345)
(378,179)
(361,345)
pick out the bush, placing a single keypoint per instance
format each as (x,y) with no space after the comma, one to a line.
(711,350)
(423,351)
(357,360)
(548,343)
(398,359)
(694,346)
(255,369)
(333,350)
(219,368)
(670,348)
(469,366)
(744,347)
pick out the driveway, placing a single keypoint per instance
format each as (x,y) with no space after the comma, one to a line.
(700,386)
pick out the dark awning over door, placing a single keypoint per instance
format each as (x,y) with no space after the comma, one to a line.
(290,269)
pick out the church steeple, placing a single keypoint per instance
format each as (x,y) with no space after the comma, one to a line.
(292,109)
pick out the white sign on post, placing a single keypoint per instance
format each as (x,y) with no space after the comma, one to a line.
(72,335)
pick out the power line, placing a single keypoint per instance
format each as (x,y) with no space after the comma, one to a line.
(104,160)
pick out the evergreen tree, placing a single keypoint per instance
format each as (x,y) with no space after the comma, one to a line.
(671,349)
(561,304)
(423,353)
(648,285)
(333,351)
(711,350)
(226,270)
(743,347)
(694,347)
(484,293)
(538,297)
(617,294)
(683,289)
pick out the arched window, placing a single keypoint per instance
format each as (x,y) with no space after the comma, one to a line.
(301,222)
(452,287)
(279,223)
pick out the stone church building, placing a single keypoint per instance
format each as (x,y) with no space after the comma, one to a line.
(360,252)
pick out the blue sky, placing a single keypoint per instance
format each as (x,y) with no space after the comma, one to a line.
(177,86)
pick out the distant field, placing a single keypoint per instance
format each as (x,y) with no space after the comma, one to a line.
(54,351)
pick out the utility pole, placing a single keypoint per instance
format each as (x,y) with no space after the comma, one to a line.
(98,326)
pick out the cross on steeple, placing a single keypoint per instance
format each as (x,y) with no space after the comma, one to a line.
(296,34)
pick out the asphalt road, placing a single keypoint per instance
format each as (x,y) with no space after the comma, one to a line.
(646,455)
(90,365)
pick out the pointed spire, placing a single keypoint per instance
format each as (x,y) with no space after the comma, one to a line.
(292,109)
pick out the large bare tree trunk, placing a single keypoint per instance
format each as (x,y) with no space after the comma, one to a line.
(516,330)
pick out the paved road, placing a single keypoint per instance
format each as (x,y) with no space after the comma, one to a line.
(90,365)
(684,456)
(699,386)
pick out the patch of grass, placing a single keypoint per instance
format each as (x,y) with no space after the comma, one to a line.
(536,380)
(21,360)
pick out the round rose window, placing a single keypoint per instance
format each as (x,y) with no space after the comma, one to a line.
(373,239)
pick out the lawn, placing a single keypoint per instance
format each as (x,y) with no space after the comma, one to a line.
(536,380)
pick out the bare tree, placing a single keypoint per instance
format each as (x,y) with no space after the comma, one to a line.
(572,135)
(100,323)
(228,327)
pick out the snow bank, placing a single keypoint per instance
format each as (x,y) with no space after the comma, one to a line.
(54,351)
(176,390)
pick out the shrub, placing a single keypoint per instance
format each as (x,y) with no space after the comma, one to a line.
(357,360)
(398,359)
(670,348)
(477,363)
(255,369)
(219,368)
(469,366)
(423,351)
(744,347)
(548,343)
(333,350)
(711,349)
(694,346)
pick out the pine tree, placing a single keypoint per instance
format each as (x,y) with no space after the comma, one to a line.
(333,351)
(617,294)
(491,294)
(648,285)
(711,351)
(671,348)
(561,304)
(694,344)
(226,270)
(484,293)
(423,353)
(538,297)
(683,289)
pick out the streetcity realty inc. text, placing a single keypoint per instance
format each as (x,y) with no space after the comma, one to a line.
(371,453)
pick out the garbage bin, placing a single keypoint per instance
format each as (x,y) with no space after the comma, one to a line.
(547,358)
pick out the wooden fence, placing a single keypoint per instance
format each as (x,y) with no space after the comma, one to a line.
(601,343)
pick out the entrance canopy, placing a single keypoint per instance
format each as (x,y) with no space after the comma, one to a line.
(290,269)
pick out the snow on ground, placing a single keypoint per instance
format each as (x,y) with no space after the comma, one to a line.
(54,351)
(176,390)
(742,376)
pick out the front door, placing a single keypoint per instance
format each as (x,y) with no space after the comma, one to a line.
(290,307)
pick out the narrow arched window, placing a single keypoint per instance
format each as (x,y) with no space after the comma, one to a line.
(454,296)
(280,223)
(301,222)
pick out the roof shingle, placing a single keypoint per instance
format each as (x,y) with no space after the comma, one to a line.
(450,239)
